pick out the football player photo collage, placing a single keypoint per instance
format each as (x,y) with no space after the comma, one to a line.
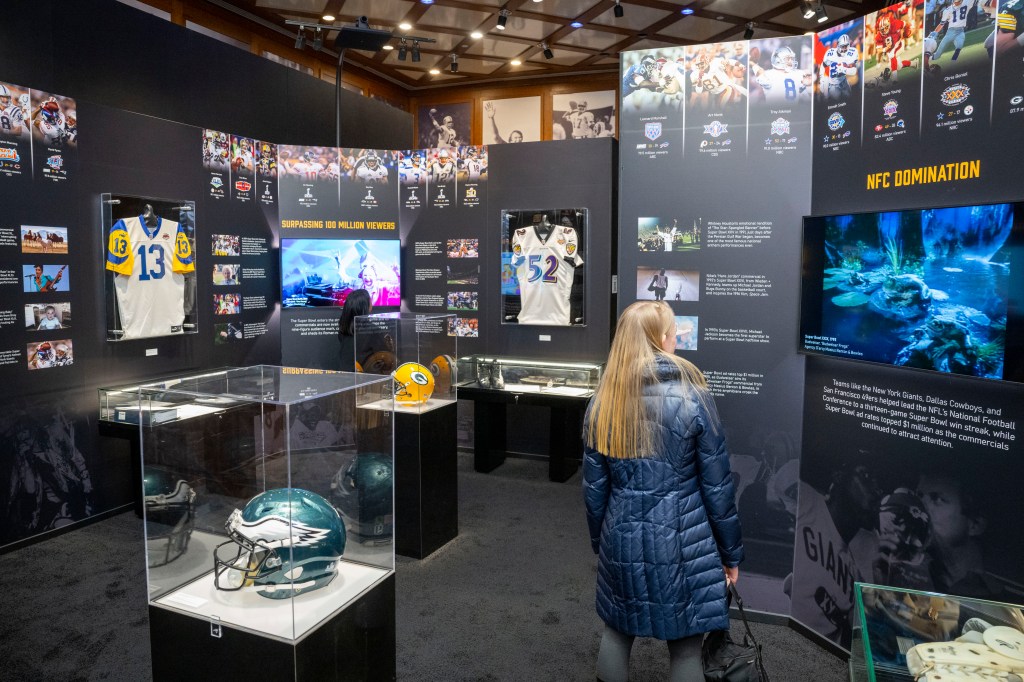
(462,256)
(46,306)
(38,134)
(677,286)
(240,167)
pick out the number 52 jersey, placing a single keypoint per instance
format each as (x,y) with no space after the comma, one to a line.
(545,269)
(149,263)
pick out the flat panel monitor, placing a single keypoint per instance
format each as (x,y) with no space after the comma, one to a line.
(322,272)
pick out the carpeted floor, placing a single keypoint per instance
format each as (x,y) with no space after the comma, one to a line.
(511,598)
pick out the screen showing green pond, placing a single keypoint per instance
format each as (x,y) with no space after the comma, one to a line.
(927,289)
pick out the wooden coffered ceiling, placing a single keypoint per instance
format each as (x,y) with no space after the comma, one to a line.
(590,48)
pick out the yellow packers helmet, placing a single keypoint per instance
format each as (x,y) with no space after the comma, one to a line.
(413,383)
(443,367)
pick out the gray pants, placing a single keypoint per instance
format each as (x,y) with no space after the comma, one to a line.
(613,658)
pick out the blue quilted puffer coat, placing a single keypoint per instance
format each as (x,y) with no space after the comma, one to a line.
(663,525)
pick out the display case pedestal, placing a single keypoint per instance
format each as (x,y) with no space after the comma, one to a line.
(565,436)
(426,480)
(356,643)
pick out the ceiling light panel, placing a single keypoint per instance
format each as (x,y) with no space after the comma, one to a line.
(594,40)
(695,28)
(496,48)
(635,17)
(531,29)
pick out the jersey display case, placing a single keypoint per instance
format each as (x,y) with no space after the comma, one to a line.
(542,266)
(930,637)
(268,506)
(493,383)
(150,282)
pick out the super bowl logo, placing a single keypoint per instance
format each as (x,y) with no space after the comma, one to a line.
(55,162)
(652,131)
(471,193)
(780,126)
(8,154)
(243,186)
(836,121)
(955,94)
(217,182)
(890,108)
(716,129)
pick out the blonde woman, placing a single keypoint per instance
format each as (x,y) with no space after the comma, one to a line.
(660,500)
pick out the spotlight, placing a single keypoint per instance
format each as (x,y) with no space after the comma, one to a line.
(455,63)
(435,72)
(300,39)
(318,40)
(476,35)
(749,33)
(416,50)
(405,26)
(806,10)
(502,19)
(618,10)
(328,18)
(516,62)
(577,24)
(687,11)
(427,2)
(820,13)
(402,50)
(548,54)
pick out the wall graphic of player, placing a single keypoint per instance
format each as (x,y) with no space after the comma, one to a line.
(716,81)
(839,64)
(474,164)
(55,126)
(370,169)
(514,136)
(216,150)
(412,169)
(442,168)
(13,114)
(1010,27)
(545,258)
(784,83)
(889,44)
(149,256)
(444,132)
(580,120)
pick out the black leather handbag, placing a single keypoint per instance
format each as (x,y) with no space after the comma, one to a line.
(726,660)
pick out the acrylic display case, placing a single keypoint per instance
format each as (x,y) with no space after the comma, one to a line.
(926,636)
(389,342)
(493,383)
(268,497)
(518,375)
(149,287)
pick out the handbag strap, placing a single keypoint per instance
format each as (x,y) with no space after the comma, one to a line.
(750,635)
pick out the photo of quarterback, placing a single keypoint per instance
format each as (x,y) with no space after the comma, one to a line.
(893,45)
(15,130)
(776,76)
(583,115)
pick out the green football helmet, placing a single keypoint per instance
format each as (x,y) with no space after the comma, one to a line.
(284,543)
(362,492)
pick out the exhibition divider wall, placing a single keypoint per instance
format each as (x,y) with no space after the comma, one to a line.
(905,477)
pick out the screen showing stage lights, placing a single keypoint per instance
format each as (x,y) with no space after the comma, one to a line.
(938,289)
(322,272)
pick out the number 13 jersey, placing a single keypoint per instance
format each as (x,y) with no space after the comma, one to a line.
(545,269)
(150,263)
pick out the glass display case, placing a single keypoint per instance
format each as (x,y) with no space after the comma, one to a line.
(926,636)
(267,493)
(150,261)
(417,349)
(518,375)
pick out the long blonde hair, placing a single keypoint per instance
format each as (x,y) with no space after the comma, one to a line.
(618,422)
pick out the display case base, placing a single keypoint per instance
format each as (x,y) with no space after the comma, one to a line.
(426,480)
(356,643)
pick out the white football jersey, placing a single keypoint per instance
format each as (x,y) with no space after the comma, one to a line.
(11,120)
(443,172)
(582,124)
(545,269)
(474,167)
(838,63)
(715,80)
(150,263)
(53,133)
(371,176)
(784,87)
(956,16)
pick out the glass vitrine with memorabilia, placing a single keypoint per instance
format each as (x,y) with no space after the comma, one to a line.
(543,257)
(932,637)
(521,375)
(149,285)
(268,498)
(417,350)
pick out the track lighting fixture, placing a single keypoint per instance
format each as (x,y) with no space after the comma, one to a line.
(318,40)
(300,39)
(806,9)
(548,54)
(749,33)
(403,50)
(415,50)
(502,19)
(455,63)
(820,13)
(618,10)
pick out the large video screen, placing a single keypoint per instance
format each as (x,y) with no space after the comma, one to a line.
(322,272)
(936,289)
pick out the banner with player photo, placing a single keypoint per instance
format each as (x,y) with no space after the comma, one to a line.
(308,183)
(15,133)
(266,172)
(217,162)
(243,168)
(54,136)
(442,171)
(412,178)
(368,182)
(471,175)
(692,120)
(444,125)
(838,91)
(583,115)
(516,119)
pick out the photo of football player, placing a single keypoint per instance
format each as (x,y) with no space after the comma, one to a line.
(216,150)
(464,326)
(717,78)
(582,115)
(266,159)
(839,68)
(893,43)
(463,300)
(653,81)
(780,81)
(1009,35)
(242,155)
(442,167)
(963,28)
(463,248)
(370,169)
(226,304)
(14,111)
(472,164)
(54,120)
(226,245)
(666,234)
(49,354)
(227,333)
(444,132)
(444,126)
(517,117)
(412,168)
(496,138)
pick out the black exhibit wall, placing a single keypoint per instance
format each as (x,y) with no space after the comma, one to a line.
(713,185)
(109,53)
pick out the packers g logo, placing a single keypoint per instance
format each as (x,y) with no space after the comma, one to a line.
(118,243)
(182,246)
(420,378)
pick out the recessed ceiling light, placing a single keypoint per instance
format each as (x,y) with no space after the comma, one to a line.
(516,62)
(328,17)
(476,35)
(389,47)
(427,2)
(435,72)
(405,26)
(577,24)
(687,11)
